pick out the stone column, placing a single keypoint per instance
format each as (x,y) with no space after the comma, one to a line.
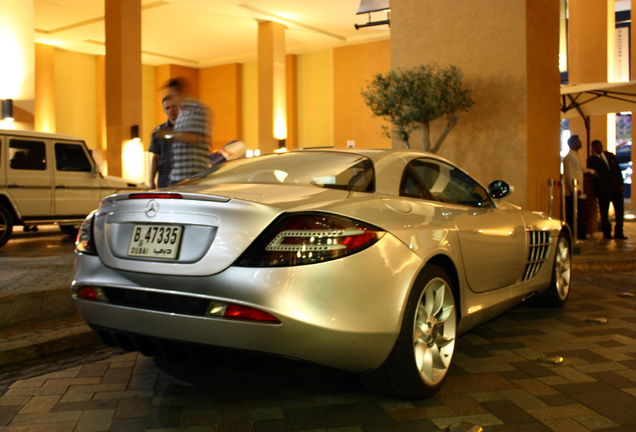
(123,77)
(271,85)
(44,119)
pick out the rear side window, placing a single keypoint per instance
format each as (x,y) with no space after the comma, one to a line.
(71,157)
(27,155)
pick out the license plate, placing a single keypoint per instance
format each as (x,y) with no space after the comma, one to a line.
(155,241)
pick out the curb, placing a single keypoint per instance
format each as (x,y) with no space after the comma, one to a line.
(36,305)
(32,340)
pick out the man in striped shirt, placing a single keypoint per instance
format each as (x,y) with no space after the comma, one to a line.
(191,135)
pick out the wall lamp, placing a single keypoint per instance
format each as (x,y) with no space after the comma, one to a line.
(134,133)
(7,110)
(369,6)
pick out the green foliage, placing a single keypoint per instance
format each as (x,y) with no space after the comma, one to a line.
(411,99)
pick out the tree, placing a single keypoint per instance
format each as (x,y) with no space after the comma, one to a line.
(411,99)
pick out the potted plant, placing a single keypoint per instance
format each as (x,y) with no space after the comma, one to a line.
(412,98)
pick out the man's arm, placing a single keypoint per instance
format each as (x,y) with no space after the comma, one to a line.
(153,170)
(187,137)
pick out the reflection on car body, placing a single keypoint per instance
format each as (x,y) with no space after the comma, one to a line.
(371,261)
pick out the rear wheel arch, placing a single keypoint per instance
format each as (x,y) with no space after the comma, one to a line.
(6,220)
(7,204)
(419,361)
(449,267)
(565,229)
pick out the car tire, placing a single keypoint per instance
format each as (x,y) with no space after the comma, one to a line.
(559,289)
(6,225)
(421,357)
(69,230)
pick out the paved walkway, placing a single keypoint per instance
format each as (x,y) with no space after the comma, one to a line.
(496,381)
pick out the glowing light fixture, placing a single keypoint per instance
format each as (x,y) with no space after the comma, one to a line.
(280,127)
(133,160)
(7,110)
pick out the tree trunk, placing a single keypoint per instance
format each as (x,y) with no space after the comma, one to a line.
(452,121)
(426,136)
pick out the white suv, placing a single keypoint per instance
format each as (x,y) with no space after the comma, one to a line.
(50,178)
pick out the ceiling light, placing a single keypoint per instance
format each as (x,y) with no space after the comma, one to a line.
(368,6)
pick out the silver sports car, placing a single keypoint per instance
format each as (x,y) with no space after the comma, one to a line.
(370,261)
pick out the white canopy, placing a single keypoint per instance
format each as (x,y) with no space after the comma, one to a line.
(583,100)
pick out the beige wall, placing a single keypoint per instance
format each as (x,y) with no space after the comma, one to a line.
(148,94)
(354,67)
(315,100)
(498,54)
(76,95)
(220,88)
(148,113)
(291,100)
(232,91)
(249,101)
(79,99)
(330,109)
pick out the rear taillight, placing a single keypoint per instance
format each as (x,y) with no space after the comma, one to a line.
(85,242)
(309,238)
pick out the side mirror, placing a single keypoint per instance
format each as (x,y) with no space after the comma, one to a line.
(95,171)
(499,189)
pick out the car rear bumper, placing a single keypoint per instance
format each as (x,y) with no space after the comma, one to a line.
(344,313)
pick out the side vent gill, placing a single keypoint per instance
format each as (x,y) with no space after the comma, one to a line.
(539,248)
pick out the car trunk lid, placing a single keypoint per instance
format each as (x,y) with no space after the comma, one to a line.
(188,232)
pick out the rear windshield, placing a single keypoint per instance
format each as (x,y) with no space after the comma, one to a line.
(337,170)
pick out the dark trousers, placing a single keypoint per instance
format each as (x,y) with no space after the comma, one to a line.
(569,216)
(603,205)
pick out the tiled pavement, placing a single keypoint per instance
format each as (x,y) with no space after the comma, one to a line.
(496,380)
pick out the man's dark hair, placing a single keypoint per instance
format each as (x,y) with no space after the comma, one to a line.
(572,139)
(178,84)
(165,98)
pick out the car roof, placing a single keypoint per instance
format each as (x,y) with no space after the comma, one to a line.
(391,161)
(377,154)
(36,134)
(384,156)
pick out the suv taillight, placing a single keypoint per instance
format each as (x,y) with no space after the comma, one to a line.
(309,238)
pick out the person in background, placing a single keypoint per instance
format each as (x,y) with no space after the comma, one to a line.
(609,187)
(191,136)
(572,170)
(161,148)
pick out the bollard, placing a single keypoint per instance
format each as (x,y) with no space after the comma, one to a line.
(551,183)
(562,185)
(575,210)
